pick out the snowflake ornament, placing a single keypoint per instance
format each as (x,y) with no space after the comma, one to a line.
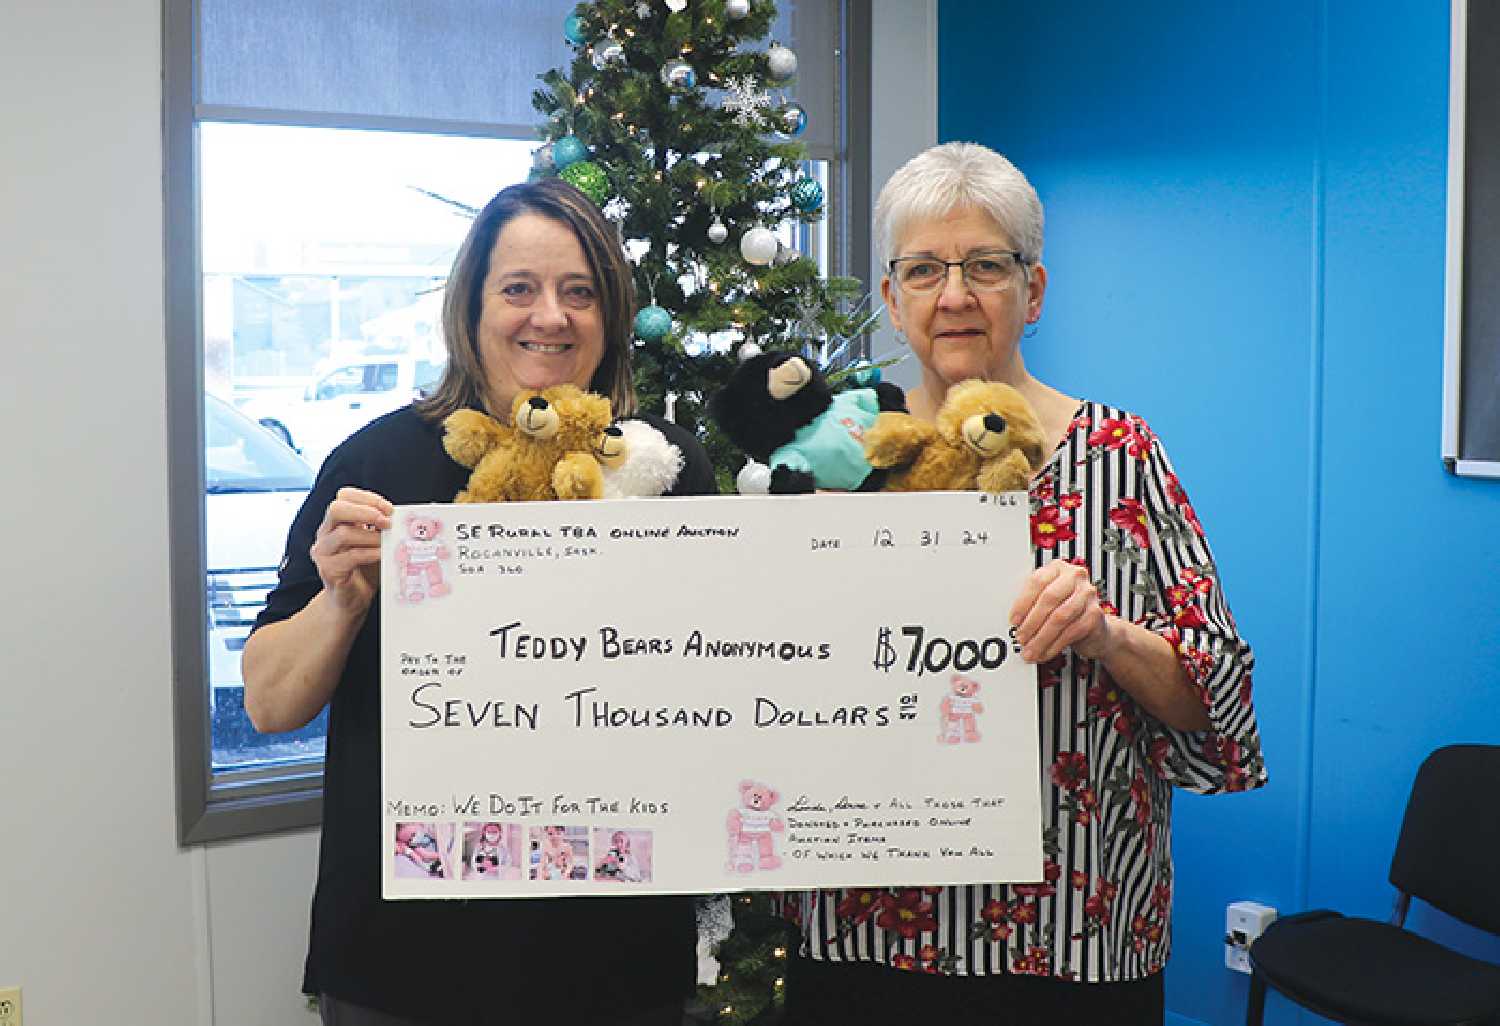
(807,326)
(747,101)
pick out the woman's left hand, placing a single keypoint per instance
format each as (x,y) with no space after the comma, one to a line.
(1058,608)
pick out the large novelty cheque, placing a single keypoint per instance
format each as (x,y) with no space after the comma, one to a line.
(706,694)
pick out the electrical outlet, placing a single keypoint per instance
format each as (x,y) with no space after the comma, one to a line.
(1244,922)
(10,1006)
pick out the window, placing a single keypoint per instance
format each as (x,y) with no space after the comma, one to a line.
(314,205)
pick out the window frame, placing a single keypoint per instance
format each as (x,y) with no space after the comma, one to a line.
(242,803)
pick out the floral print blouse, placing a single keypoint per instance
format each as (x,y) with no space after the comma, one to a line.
(1109,501)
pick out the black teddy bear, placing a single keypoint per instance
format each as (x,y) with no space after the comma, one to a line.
(780,410)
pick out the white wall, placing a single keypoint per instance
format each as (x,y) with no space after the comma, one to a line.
(103,919)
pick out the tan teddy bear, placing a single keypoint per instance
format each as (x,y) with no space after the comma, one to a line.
(986,437)
(553,448)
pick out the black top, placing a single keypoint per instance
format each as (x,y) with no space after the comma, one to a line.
(455,961)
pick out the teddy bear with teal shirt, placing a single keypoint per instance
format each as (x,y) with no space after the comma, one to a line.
(780,410)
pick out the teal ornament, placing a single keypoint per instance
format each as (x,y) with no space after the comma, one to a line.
(588,178)
(807,195)
(652,323)
(568,150)
(573,29)
(864,374)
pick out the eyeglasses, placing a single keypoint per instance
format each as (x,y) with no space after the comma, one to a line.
(983,272)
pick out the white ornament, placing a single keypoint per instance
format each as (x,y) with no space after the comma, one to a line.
(746,100)
(643,10)
(759,246)
(677,6)
(737,8)
(753,479)
(750,349)
(782,62)
(717,233)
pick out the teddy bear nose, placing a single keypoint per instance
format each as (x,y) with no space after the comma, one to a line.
(994,423)
(536,402)
(613,432)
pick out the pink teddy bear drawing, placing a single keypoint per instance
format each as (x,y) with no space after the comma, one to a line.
(958,709)
(751,827)
(417,560)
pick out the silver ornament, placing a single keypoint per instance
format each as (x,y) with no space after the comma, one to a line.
(643,10)
(541,158)
(784,255)
(737,8)
(782,62)
(791,120)
(608,55)
(717,233)
(679,75)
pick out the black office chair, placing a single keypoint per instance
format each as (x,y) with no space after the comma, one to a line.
(1380,974)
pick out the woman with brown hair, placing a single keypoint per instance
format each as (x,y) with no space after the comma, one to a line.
(540,295)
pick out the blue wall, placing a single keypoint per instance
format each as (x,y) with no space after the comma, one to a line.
(1245,233)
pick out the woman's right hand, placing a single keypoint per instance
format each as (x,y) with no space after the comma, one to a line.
(347,549)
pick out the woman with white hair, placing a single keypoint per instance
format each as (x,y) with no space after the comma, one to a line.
(1144,682)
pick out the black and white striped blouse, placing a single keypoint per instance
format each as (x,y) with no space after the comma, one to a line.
(1108,500)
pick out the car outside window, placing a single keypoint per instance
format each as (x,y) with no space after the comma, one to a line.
(342,382)
(253,485)
(383,377)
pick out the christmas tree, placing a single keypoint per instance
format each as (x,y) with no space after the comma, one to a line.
(749,984)
(666,120)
